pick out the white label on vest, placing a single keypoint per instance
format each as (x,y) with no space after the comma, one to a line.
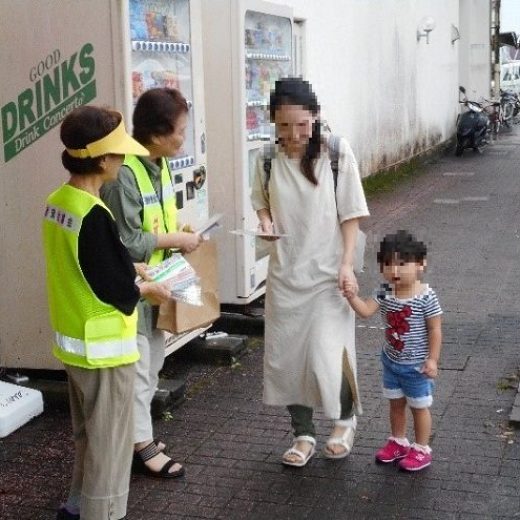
(150,199)
(62,218)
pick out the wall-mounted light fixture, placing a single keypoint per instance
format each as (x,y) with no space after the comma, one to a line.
(425,27)
(455,34)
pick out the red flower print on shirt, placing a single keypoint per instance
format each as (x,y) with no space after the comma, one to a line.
(397,326)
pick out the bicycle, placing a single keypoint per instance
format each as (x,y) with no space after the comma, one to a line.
(495,111)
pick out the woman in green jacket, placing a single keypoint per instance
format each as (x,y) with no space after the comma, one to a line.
(143,203)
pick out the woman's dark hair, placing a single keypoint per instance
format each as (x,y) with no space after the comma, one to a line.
(296,91)
(402,244)
(83,126)
(156,113)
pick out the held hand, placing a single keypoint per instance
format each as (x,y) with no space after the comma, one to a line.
(429,368)
(347,278)
(155,292)
(350,291)
(189,241)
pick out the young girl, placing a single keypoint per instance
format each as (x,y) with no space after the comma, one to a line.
(412,346)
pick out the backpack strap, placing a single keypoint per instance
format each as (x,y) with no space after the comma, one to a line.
(333,144)
(267,171)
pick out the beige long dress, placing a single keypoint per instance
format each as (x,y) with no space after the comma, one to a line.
(309,326)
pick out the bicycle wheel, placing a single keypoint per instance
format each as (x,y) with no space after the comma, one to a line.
(495,126)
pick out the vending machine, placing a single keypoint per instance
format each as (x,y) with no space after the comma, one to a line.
(247,47)
(164,49)
(60,55)
(164,43)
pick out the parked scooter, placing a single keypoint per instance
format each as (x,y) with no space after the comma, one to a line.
(473,127)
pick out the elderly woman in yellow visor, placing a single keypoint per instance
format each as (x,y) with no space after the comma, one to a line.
(92,299)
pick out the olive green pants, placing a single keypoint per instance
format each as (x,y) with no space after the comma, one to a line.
(301,416)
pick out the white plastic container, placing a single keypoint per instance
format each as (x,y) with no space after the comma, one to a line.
(18,405)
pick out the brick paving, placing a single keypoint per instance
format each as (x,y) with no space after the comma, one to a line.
(232,444)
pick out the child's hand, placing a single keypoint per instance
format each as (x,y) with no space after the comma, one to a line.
(350,290)
(346,277)
(429,368)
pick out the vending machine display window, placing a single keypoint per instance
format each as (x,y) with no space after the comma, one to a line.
(161,57)
(268,57)
(243,57)
(268,48)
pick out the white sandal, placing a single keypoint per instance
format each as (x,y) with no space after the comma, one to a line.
(293,451)
(345,441)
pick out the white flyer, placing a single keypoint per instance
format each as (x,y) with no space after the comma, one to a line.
(210,225)
(257,233)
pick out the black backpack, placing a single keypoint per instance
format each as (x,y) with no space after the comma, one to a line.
(333,146)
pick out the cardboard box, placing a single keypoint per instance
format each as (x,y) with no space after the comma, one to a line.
(177,317)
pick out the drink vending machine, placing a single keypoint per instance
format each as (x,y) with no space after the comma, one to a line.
(61,55)
(247,47)
(166,51)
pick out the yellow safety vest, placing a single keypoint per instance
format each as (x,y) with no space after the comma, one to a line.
(157,218)
(89,333)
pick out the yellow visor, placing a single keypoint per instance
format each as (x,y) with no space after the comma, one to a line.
(117,142)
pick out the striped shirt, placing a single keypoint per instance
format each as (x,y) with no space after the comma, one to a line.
(406,333)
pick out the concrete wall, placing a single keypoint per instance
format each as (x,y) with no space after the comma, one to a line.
(391,95)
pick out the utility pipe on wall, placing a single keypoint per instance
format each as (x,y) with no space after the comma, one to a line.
(495,49)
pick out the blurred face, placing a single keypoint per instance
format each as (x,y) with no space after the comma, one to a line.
(402,273)
(169,145)
(294,128)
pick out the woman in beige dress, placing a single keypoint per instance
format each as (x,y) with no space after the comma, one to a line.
(310,357)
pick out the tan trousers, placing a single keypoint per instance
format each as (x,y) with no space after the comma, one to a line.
(101,403)
(147,370)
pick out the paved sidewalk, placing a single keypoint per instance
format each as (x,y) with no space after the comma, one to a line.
(467,209)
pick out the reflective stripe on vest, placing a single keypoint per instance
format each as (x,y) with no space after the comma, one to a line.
(157,218)
(101,350)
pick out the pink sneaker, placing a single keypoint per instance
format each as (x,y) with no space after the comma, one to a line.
(391,451)
(415,460)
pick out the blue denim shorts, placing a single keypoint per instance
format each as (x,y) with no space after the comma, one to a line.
(400,380)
